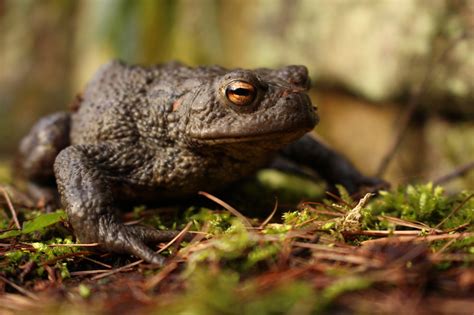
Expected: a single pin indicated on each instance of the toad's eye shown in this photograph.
(240, 93)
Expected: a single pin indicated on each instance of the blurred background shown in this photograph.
(367, 59)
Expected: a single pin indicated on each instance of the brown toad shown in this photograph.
(167, 131)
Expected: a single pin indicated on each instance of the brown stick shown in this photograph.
(454, 211)
(413, 103)
(228, 207)
(10, 207)
(457, 172)
(29, 294)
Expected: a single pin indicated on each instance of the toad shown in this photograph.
(168, 131)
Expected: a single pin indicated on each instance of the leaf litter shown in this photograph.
(410, 247)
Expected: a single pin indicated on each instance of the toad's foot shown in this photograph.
(330, 165)
(133, 239)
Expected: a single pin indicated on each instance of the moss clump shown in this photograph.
(40, 254)
(224, 292)
(237, 248)
(423, 203)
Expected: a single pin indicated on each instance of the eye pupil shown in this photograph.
(241, 92)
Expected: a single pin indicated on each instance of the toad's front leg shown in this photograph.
(86, 189)
(330, 165)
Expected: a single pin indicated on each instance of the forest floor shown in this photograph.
(409, 250)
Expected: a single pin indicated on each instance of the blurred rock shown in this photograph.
(377, 49)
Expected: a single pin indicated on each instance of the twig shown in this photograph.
(348, 258)
(429, 238)
(339, 199)
(73, 245)
(10, 207)
(411, 107)
(155, 280)
(268, 219)
(331, 207)
(454, 210)
(457, 172)
(228, 207)
(413, 224)
(88, 272)
(117, 270)
(452, 257)
(20, 289)
(97, 262)
(383, 233)
(445, 246)
(180, 234)
(324, 248)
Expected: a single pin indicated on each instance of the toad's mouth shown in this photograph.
(274, 131)
(286, 136)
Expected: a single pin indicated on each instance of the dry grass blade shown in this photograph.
(299, 225)
(97, 262)
(428, 238)
(10, 207)
(459, 227)
(445, 246)
(403, 222)
(336, 211)
(75, 245)
(117, 270)
(455, 210)
(228, 207)
(269, 218)
(88, 272)
(19, 289)
(339, 199)
(180, 234)
(349, 259)
(324, 248)
(155, 280)
(452, 257)
(382, 233)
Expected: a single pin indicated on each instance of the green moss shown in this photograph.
(215, 221)
(290, 187)
(298, 217)
(84, 291)
(342, 286)
(423, 203)
(39, 254)
(224, 292)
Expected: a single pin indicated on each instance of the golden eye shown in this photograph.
(240, 93)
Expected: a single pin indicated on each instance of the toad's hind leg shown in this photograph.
(37, 152)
